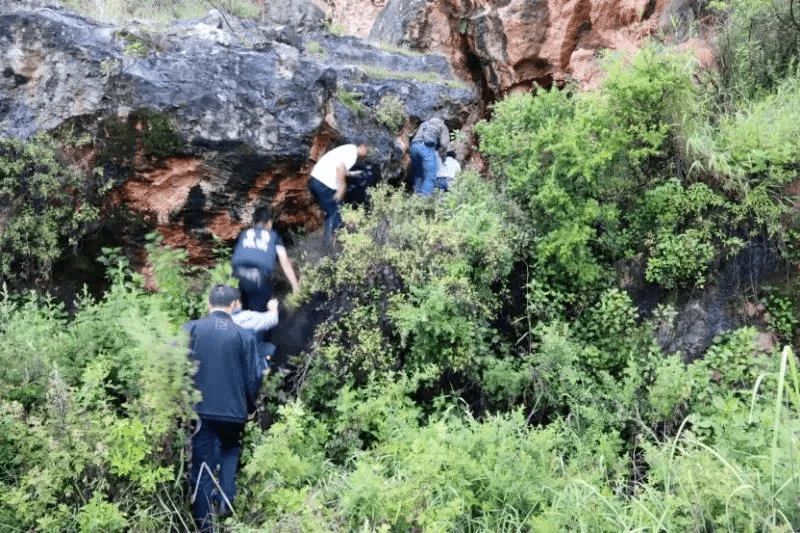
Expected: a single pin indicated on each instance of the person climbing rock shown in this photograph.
(328, 181)
(431, 141)
(253, 261)
(228, 378)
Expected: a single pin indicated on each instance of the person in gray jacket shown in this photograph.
(258, 323)
(431, 141)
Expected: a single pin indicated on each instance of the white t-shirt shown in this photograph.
(448, 169)
(325, 169)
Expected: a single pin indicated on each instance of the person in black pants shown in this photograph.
(228, 377)
(254, 257)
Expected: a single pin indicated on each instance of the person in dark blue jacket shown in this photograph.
(228, 377)
(254, 257)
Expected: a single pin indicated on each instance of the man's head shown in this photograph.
(362, 150)
(223, 297)
(263, 216)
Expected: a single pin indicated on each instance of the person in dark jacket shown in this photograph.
(254, 257)
(428, 145)
(228, 379)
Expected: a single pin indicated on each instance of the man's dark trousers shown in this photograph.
(215, 443)
(256, 290)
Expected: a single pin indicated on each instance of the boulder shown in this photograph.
(195, 126)
(300, 15)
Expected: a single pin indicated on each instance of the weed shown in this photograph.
(352, 101)
(391, 112)
(315, 48)
(383, 73)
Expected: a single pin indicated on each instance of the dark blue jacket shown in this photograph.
(256, 248)
(227, 376)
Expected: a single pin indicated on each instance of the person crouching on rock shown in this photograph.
(328, 181)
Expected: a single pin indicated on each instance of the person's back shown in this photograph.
(448, 170)
(327, 182)
(256, 247)
(325, 169)
(427, 146)
(226, 355)
(433, 133)
(228, 379)
(254, 256)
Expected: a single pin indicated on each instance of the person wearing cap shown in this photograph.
(228, 379)
(328, 181)
(254, 257)
(431, 141)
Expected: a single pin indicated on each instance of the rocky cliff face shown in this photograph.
(507, 45)
(197, 125)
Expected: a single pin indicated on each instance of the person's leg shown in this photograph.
(429, 169)
(327, 200)
(230, 446)
(259, 296)
(253, 288)
(417, 172)
(204, 460)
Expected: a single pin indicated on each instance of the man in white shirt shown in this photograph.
(328, 181)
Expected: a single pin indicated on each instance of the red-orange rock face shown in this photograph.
(510, 45)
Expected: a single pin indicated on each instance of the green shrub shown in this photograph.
(315, 48)
(574, 159)
(46, 208)
(680, 260)
(113, 381)
(352, 101)
(783, 317)
(758, 48)
(100, 515)
(390, 112)
(609, 328)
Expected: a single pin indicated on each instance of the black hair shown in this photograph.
(222, 295)
(263, 214)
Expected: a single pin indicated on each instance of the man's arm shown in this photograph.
(258, 321)
(286, 266)
(341, 182)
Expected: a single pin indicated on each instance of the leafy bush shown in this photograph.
(113, 380)
(416, 277)
(574, 159)
(46, 208)
(391, 112)
(757, 47)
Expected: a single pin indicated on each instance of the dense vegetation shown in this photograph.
(481, 368)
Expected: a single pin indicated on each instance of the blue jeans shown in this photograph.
(327, 200)
(216, 443)
(424, 167)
